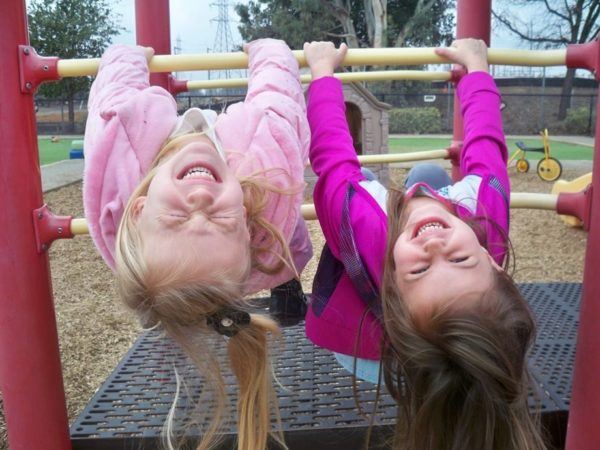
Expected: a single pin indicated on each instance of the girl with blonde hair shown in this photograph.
(413, 281)
(195, 212)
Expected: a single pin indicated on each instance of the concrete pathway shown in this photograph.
(61, 173)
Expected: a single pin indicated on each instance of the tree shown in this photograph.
(70, 29)
(361, 23)
(556, 23)
(395, 23)
(294, 21)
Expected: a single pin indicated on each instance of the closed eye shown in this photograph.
(458, 260)
(421, 270)
(171, 219)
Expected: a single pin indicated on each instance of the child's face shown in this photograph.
(193, 213)
(439, 259)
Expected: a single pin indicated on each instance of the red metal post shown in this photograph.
(583, 431)
(473, 20)
(153, 29)
(30, 371)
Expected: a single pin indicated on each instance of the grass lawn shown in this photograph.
(559, 150)
(55, 151)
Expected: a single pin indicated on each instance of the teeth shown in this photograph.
(198, 172)
(429, 227)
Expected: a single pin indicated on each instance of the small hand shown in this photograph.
(470, 53)
(323, 58)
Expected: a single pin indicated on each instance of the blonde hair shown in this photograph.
(459, 378)
(166, 296)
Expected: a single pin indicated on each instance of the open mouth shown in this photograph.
(198, 172)
(429, 225)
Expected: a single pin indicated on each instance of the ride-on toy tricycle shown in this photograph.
(548, 168)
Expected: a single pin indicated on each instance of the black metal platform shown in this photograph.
(316, 398)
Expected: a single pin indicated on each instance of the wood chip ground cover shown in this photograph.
(95, 331)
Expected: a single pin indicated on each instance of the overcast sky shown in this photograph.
(192, 21)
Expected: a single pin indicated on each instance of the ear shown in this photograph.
(138, 207)
(493, 262)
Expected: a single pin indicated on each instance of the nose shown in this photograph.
(434, 245)
(199, 199)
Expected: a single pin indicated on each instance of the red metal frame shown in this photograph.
(577, 204)
(35, 69)
(177, 86)
(585, 56)
(49, 227)
(473, 20)
(583, 431)
(153, 29)
(30, 370)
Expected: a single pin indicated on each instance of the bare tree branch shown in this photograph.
(336, 35)
(553, 11)
(508, 24)
(341, 11)
(590, 21)
(423, 6)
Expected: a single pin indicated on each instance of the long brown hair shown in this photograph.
(460, 378)
(167, 297)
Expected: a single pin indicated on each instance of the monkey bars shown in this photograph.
(518, 200)
(355, 57)
(344, 77)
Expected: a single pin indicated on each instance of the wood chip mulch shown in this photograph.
(95, 332)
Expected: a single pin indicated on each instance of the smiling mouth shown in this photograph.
(428, 226)
(198, 172)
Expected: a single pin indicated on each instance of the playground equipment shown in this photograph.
(76, 151)
(548, 168)
(576, 185)
(30, 371)
(518, 200)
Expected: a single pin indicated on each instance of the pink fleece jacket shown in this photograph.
(336, 324)
(129, 120)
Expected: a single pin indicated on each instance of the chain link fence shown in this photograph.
(523, 113)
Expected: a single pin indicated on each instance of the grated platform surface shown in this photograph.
(316, 397)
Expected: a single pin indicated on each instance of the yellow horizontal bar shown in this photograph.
(79, 226)
(308, 211)
(355, 57)
(344, 77)
(517, 200)
(402, 157)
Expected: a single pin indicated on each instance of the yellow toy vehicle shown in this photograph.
(548, 168)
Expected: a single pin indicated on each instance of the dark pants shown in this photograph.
(288, 303)
(432, 174)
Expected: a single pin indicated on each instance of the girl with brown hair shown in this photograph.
(414, 280)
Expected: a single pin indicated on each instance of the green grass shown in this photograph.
(559, 150)
(57, 151)
(54, 151)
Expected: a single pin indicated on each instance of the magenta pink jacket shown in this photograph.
(129, 120)
(336, 324)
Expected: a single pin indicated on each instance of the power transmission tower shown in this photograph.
(223, 39)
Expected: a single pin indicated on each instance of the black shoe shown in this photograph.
(288, 303)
